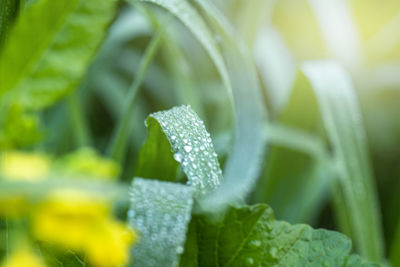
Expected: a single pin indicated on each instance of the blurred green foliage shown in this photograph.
(69, 68)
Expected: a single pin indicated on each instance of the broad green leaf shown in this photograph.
(160, 211)
(181, 131)
(244, 163)
(62, 36)
(193, 21)
(250, 236)
(355, 188)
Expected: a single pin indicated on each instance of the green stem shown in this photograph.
(7, 240)
(79, 125)
(117, 147)
(8, 12)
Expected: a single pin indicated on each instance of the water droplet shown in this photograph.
(255, 243)
(131, 213)
(273, 251)
(179, 250)
(187, 148)
(173, 137)
(249, 261)
(178, 157)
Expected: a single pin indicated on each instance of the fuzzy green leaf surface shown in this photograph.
(161, 212)
(250, 236)
(60, 48)
(356, 196)
(180, 130)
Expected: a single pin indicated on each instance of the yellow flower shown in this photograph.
(66, 216)
(23, 257)
(109, 245)
(81, 221)
(24, 166)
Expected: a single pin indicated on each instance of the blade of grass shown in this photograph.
(161, 212)
(79, 125)
(342, 119)
(191, 19)
(395, 248)
(277, 67)
(244, 164)
(339, 30)
(180, 131)
(290, 137)
(118, 143)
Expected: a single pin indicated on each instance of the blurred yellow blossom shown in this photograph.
(81, 221)
(24, 166)
(109, 245)
(23, 257)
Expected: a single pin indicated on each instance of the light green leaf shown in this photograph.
(250, 236)
(180, 130)
(62, 37)
(355, 188)
(160, 211)
(243, 166)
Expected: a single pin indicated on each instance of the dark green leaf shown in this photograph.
(250, 236)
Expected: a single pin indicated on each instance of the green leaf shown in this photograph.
(356, 196)
(244, 164)
(180, 130)
(62, 36)
(160, 211)
(250, 236)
